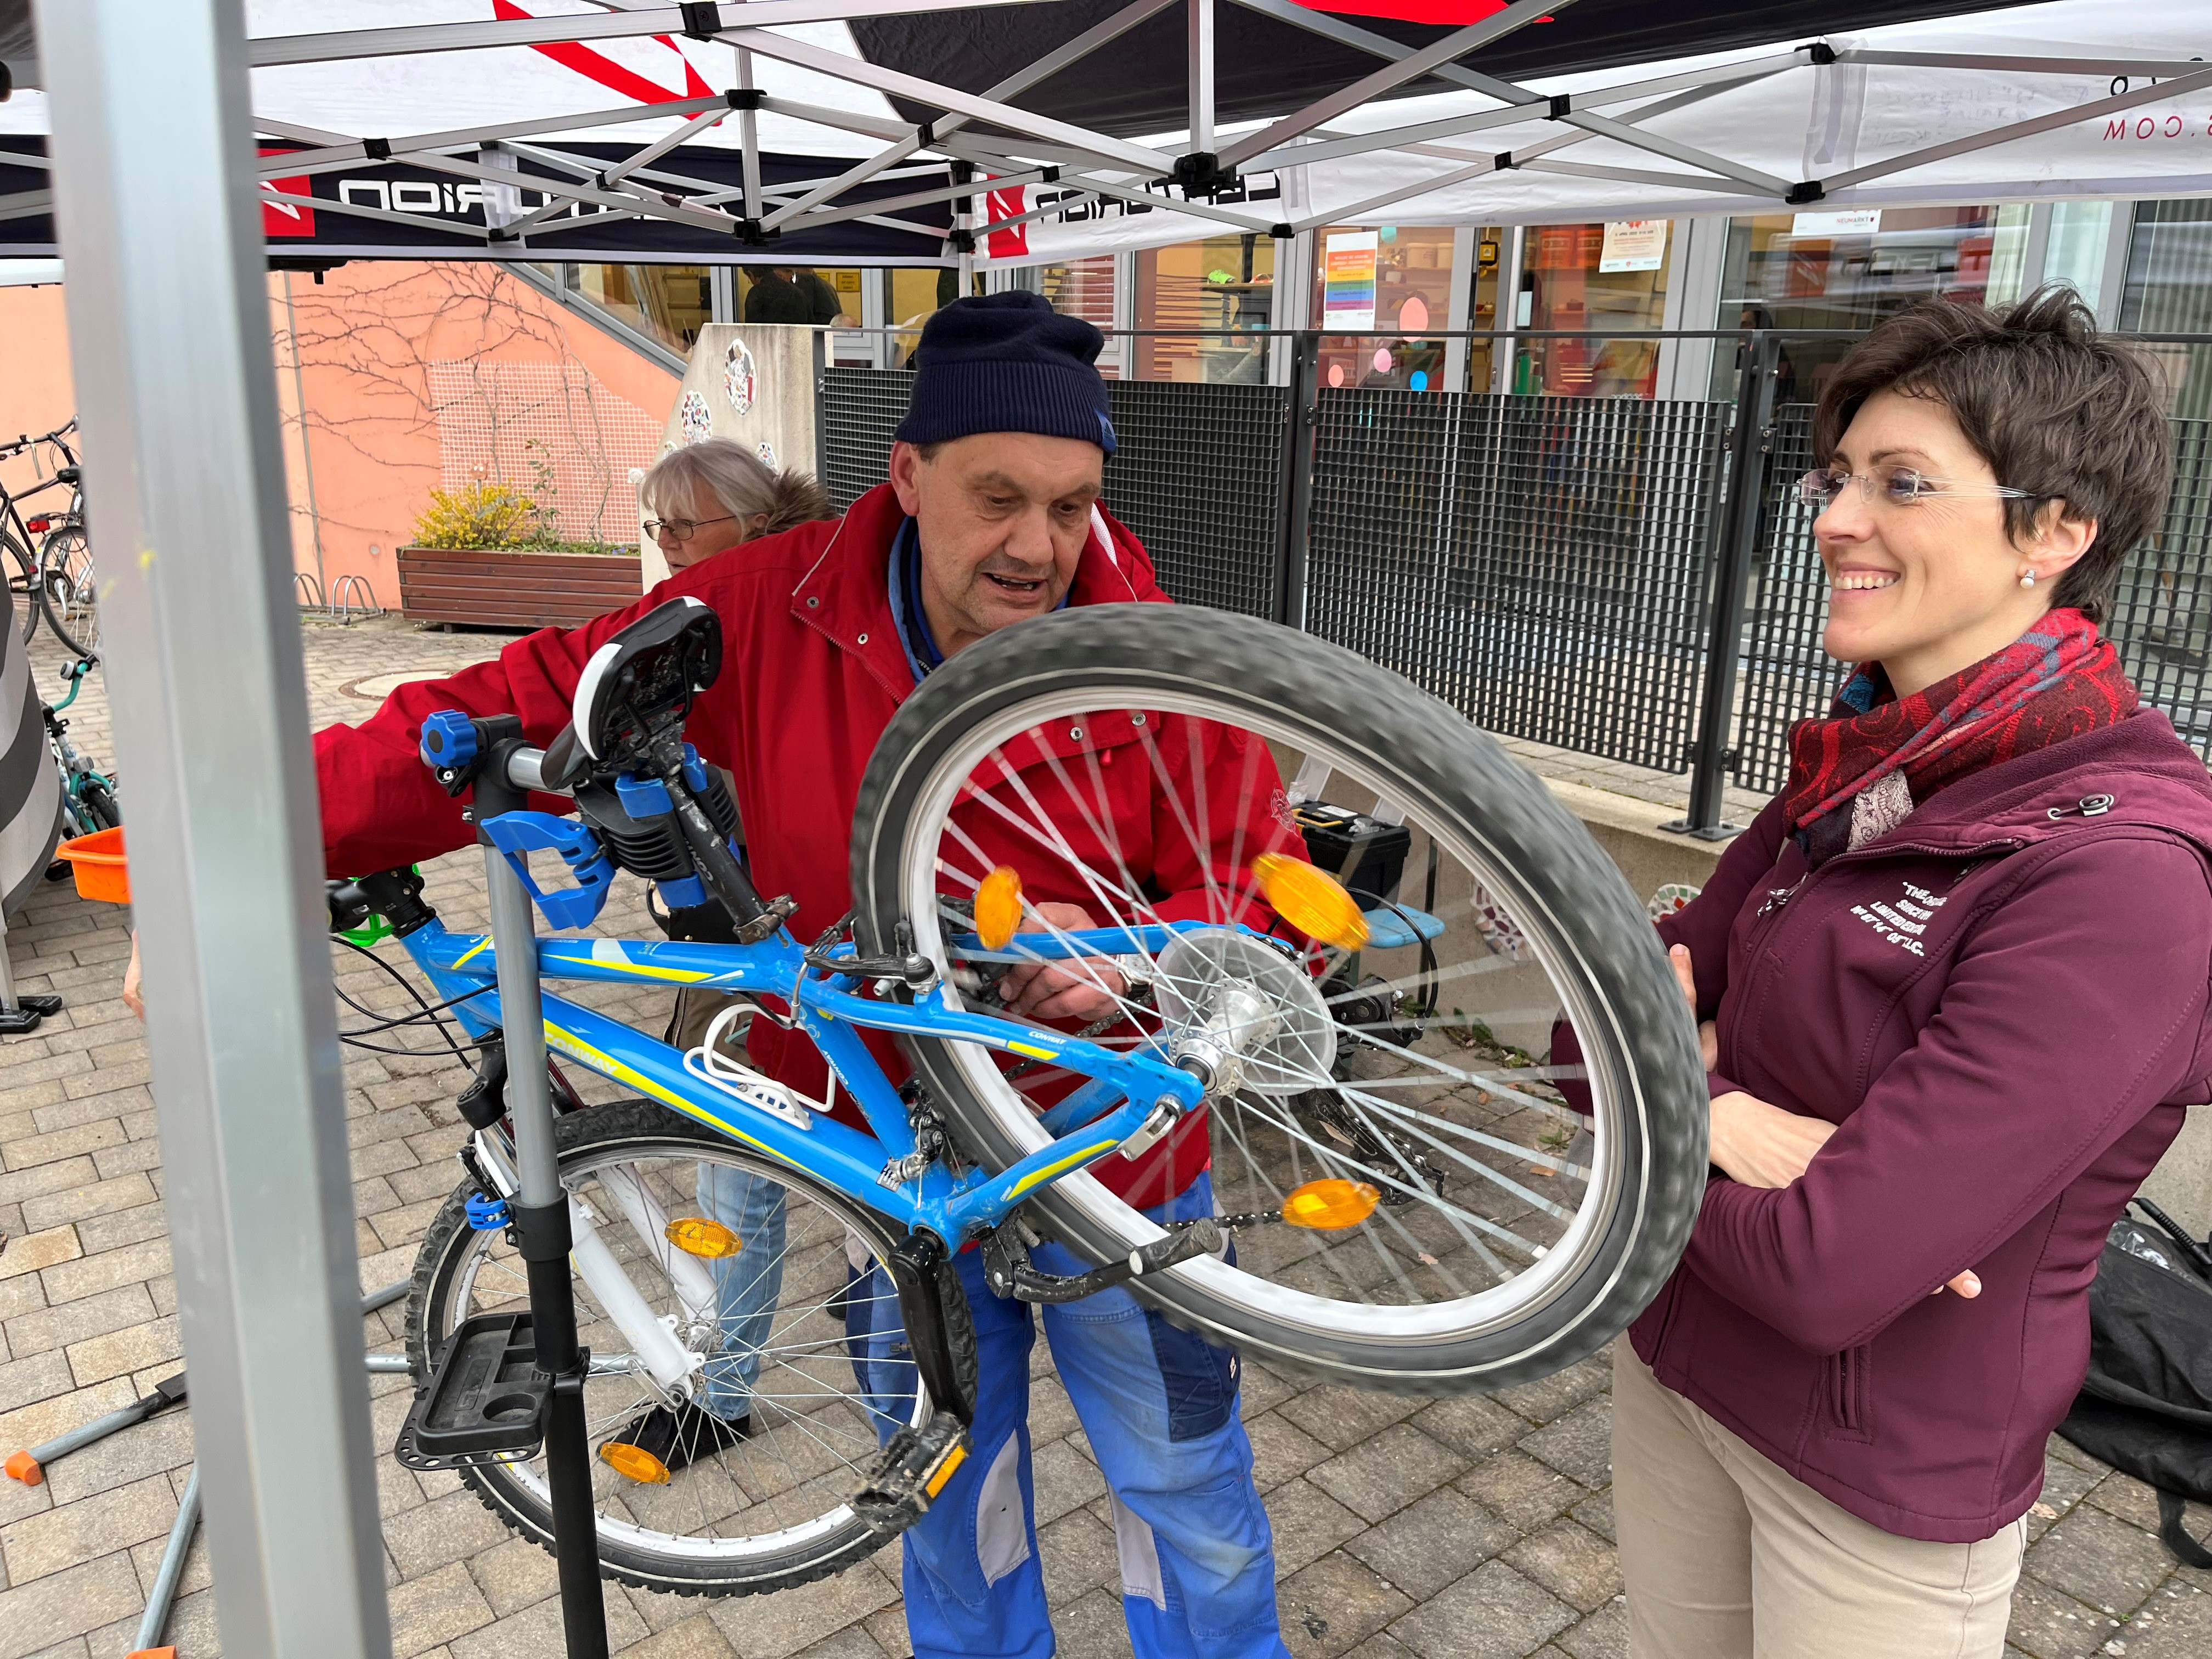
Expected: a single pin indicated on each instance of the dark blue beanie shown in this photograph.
(1007, 362)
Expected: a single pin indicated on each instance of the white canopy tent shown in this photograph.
(154, 113)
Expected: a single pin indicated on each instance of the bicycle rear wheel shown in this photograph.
(1072, 748)
(68, 590)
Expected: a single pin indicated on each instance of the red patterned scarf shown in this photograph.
(2054, 682)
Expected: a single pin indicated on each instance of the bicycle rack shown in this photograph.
(348, 589)
(310, 591)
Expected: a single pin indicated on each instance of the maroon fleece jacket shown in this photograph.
(2001, 1004)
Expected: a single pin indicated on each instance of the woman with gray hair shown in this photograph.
(713, 495)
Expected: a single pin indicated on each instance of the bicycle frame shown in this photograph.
(865, 1165)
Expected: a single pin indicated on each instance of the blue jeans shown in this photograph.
(1158, 1407)
(746, 1284)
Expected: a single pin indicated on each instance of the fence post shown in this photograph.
(1301, 421)
(1711, 758)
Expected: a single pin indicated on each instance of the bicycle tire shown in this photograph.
(65, 568)
(628, 1551)
(98, 802)
(23, 585)
(1639, 1045)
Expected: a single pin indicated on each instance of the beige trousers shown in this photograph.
(1727, 1557)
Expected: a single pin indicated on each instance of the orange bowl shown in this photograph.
(101, 871)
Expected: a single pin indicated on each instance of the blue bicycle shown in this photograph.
(1131, 887)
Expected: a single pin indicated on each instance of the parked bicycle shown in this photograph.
(89, 801)
(49, 555)
(1350, 1006)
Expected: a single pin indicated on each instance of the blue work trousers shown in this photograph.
(1158, 1407)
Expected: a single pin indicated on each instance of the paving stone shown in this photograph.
(1443, 1537)
(39, 1376)
(40, 1422)
(96, 1525)
(1596, 1514)
(1064, 1479)
(1078, 1554)
(50, 1610)
(2065, 1485)
(121, 1352)
(427, 1613)
(1474, 1425)
(1307, 1524)
(2100, 1559)
(1525, 1493)
(1492, 1613)
(1552, 1397)
(1578, 1444)
(159, 1444)
(427, 1537)
(775, 1626)
(1382, 1475)
(1603, 1635)
(1280, 1449)
(853, 1642)
(1571, 1562)
(2133, 1502)
(1331, 1607)
(538, 1630)
(2050, 1624)
(71, 1281)
(2179, 1628)
(513, 1575)
(35, 1251)
(1340, 1418)
(1381, 1646)
(94, 1198)
(21, 1186)
(108, 1232)
(1093, 1627)
(25, 1151)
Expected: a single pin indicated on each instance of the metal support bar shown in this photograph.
(154, 151)
(1201, 75)
(1710, 761)
(1300, 423)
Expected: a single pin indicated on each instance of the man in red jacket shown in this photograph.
(991, 517)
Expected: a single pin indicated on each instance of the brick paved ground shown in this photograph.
(1455, 1529)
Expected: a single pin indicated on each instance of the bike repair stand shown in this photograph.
(19, 1015)
(540, 1215)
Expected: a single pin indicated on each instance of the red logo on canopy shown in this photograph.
(614, 76)
(1013, 241)
(286, 218)
(1449, 12)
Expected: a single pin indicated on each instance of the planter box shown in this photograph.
(500, 589)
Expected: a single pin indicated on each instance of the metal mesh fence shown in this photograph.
(1195, 474)
(1786, 677)
(2161, 617)
(1540, 563)
(860, 408)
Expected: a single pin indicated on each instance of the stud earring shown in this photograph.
(2027, 578)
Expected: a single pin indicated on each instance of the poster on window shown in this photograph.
(1633, 245)
(1347, 288)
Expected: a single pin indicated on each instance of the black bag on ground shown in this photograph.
(2146, 1406)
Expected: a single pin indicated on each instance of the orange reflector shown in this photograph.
(633, 1463)
(22, 1467)
(946, 1468)
(1312, 901)
(152, 1653)
(1329, 1205)
(695, 1235)
(997, 908)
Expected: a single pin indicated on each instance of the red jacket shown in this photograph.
(2001, 1004)
(812, 672)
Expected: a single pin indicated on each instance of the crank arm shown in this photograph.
(1006, 1264)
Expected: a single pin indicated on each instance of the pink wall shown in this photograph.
(415, 375)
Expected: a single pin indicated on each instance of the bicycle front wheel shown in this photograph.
(68, 591)
(1133, 764)
(769, 1329)
(22, 571)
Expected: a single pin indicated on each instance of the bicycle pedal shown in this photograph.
(910, 1472)
(485, 1400)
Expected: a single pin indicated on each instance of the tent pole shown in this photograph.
(307, 456)
(749, 135)
(1201, 77)
(153, 148)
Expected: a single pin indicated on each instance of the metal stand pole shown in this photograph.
(542, 1231)
(152, 164)
(164, 1594)
(1712, 759)
(1302, 426)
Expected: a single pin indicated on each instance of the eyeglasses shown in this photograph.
(682, 530)
(1899, 486)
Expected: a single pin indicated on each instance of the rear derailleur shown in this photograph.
(1325, 1112)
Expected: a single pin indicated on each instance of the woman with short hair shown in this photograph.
(1955, 982)
(716, 494)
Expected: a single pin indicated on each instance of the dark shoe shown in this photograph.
(679, 1439)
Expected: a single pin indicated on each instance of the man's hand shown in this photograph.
(130, 997)
(1079, 988)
